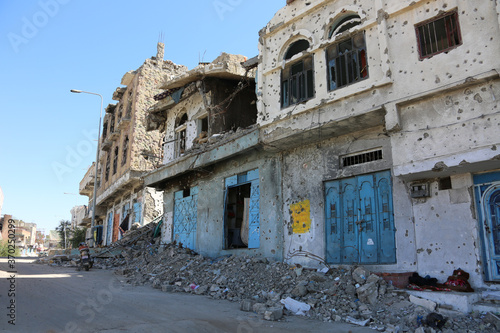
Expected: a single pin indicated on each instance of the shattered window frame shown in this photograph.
(108, 163)
(347, 61)
(115, 160)
(125, 150)
(297, 78)
(180, 135)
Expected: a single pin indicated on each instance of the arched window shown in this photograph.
(297, 78)
(344, 24)
(347, 59)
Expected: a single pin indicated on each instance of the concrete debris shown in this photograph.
(275, 290)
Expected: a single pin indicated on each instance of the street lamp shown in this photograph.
(92, 223)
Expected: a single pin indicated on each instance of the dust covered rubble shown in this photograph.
(275, 289)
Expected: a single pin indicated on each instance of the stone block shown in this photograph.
(368, 293)
(246, 305)
(423, 302)
(167, 288)
(259, 308)
(274, 313)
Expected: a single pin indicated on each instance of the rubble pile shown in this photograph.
(273, 289)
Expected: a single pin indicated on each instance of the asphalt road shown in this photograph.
(58, 299)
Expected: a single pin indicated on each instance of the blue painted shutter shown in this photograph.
(185, 217)
(387, 246)
(349, 219)
(333, 227)
(367, 224)
(254, 212)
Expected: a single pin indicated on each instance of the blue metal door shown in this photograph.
(487, 196)
(185, 217)
(359, 220)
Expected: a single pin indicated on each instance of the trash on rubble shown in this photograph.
(323, 270)
(296, 307)
(354, 321)
(435, 320)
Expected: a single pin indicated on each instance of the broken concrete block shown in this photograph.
(299, 291)
(247, 305)
(423, 302)
(259, 308)
(354, 321)
(274, 313)
(368, 293)
(167, 288)
(493, 319)
(360, 275)
(201, 290)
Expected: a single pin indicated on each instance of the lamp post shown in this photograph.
(92, 223)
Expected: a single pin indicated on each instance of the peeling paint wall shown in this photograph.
(446, 231)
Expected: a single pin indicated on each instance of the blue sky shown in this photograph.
(48, 47)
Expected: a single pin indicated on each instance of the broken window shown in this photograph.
(241, 211)
(112, 124)
(438, 35)
(297, 79)
(115, 160)
(120, 109)
(104, 130)
(106, 173)
(125, 150)
(180, 135)
(347, 62)
(343, 24)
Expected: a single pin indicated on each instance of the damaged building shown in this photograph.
(216, 179)
(127, 152)
(385, 117)
(370, 139)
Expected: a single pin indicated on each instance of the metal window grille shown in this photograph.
(438, 35)
(362, 158)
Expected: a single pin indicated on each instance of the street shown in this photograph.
(42, 298)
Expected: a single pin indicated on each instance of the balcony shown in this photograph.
(124, 122)
(114, 134)
(87, 183)
(106, 144)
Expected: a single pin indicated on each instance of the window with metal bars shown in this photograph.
(370, 156)
(438, 35)
(347, 62)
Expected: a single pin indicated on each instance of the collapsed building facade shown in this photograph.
(213, 165)
(127, 152)
(373, 141)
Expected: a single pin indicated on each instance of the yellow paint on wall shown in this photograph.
(301, 217)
